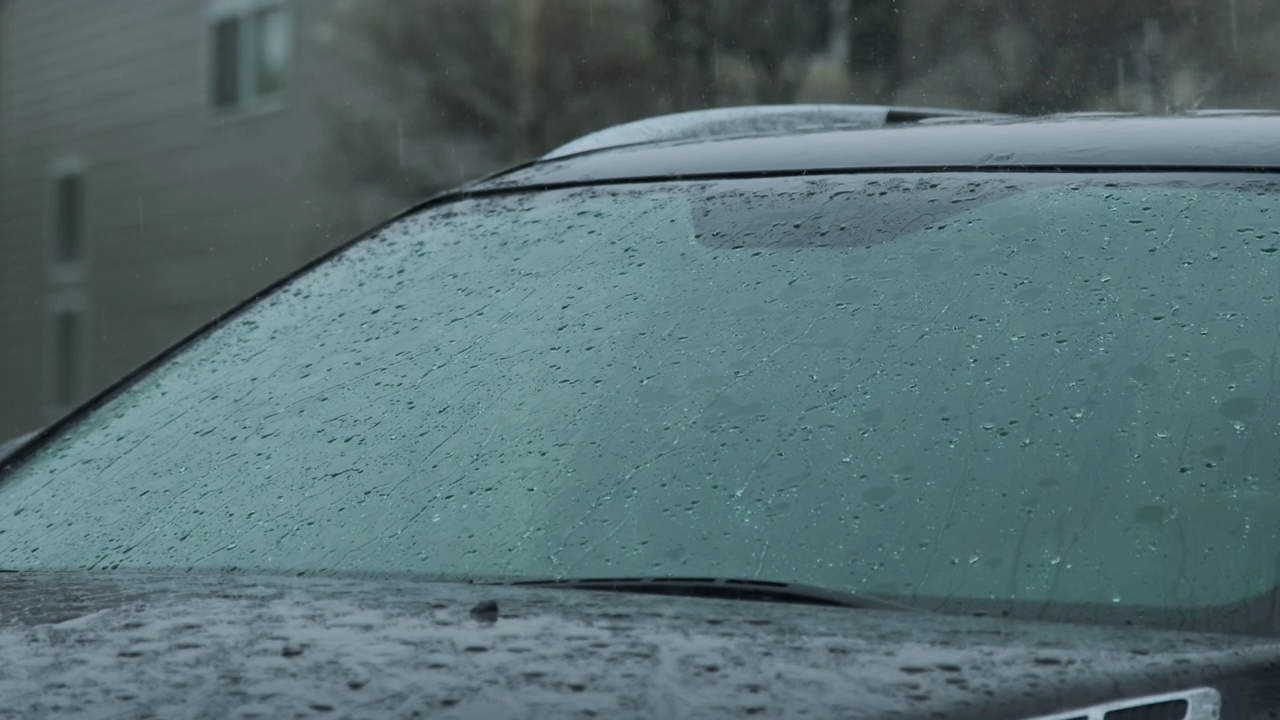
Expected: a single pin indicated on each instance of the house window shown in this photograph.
(226, 63)
(66, 363)
(250, 47)
(65, 345)
(68, 215)
(269, 33)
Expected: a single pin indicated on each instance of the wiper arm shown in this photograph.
(720, 588)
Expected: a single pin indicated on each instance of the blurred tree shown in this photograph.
(776, 39)
(1081, 49)
(461, 87)
(466, 86)
(875, 44)
(1038, 56)
(768, 44)
(684, 33)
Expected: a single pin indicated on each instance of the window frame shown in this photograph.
(248, 101)
(73, 270)
(61, 303)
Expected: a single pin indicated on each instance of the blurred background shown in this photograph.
(161, 160)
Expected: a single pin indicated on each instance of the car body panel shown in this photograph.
(112, 644)
(1242, 141)
(753, 120)
(91, 645)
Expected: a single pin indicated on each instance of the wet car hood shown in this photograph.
(109, 645)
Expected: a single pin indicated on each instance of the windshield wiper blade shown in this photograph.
(719, 588)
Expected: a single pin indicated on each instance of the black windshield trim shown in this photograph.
(718, 588)
(498, 186)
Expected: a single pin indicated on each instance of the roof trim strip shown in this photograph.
(750, 120)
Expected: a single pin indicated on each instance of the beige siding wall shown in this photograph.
(187, 211)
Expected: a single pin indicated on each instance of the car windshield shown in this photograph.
(1039, 395)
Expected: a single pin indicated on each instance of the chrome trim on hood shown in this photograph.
(1202, 704)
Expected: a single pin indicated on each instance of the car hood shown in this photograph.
(106, 645)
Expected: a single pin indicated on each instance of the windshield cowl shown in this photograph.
(720, 588)
(285, 638)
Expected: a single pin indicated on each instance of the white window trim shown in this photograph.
(247, 105)
(60, 301)
(65, 273)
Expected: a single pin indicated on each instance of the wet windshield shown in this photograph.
(1022, 392)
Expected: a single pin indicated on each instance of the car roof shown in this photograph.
(1237, 140)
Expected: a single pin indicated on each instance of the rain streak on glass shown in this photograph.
(1038, 389)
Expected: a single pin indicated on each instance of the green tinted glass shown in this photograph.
(983, 388)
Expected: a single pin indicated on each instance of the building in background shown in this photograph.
(159, 161)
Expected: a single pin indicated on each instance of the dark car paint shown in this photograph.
(98, 645)
(105, 644)
(1098, 142)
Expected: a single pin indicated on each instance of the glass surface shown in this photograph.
(226, 63)
(1038, 390)
(69, 190)
(271, 50)
(68, 352)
